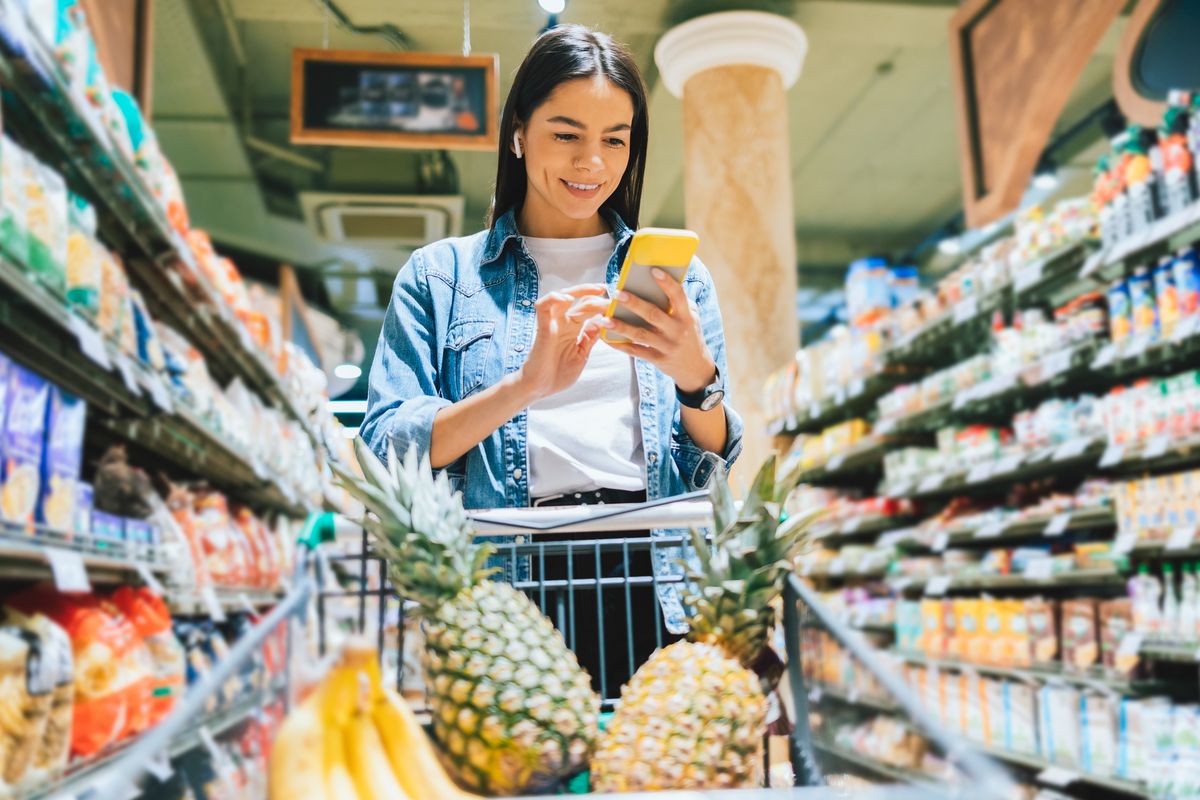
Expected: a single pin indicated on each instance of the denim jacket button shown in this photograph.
(653, 457)
(518, 347)
(646, 392)
(526, 302)
(517, 473)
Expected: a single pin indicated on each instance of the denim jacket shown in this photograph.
(462, 316)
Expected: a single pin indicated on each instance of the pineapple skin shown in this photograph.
(513, 712)
(691, 718)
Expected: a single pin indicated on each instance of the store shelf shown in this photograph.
(1091, 680)
(38, 104)
(79, 774)
(1177, 652)
(1009, 469)
(1049, 277)
(863, 457)
(25, 555)
(860, 528)
(993, 532)
(946, 339)
(1163, 236)
(865, 764)
(1093, 579)
(855, 399)
(1065, 777)
(820, 691)
(191, 602)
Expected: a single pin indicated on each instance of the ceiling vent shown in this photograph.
(383, 220)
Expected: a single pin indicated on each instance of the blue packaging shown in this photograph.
(108, 527)
(62, 460)
(1143, 305)
(1186, 267)
(24, 439)
(84, 506)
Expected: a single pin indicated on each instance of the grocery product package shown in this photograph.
(14, 232)
(48, 227)
(114, 294)
(152, 620)
(50, 648)
(83, 277)
(62, 460)
(20, 475)
(112, 672)
(23, 708)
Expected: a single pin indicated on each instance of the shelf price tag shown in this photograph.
(980, 472)
(857, 387)
(839, 396)
(835, 462)
(1113, 455)
(837, 566)
(1124, 542)
(1008, 464)
(70, 574)
(1029, 275)
(209, 596)
(1057, 363)
(1039, 569)
(148, 578)
(965, 310)
(160, 767)
(940, 541)
(159, 394)
(1181, 538)
(1058, 523)
(899, 489)
(1057, 776)
(1106, 356)
(1072, 449)
(91, 344)
(851, 525)
(937, 585)
(1131, 645)
(1156, 447)
(989, 531)
(885, 427)
(814, 409)
(1093, 263)
(931, 482)
(128, 376)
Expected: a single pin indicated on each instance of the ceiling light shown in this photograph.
(347, 372)
(950, 246)
(553, 6)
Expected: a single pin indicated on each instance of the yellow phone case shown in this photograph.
(669, 249)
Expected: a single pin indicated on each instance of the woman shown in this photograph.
(491, 361)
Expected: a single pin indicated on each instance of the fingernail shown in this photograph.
(623, 296)
(605, 322)
(658, 273)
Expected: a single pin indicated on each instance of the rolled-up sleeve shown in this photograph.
(403, 395)
(695, 464)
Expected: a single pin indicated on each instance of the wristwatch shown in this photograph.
(707, 398)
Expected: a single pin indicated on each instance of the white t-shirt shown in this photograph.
(590, 435)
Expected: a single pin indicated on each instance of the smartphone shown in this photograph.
(668, 249)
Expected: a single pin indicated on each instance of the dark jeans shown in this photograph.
(613, 637)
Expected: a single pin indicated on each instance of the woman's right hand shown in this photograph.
(567, 329)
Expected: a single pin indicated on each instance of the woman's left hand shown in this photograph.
(674, 341)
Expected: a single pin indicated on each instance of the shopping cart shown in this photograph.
(600, 589)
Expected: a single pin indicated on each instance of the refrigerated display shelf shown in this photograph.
(863, 457)
(1094, 579)
(75, 782)
(1065, 777)
(860, 527)
(863, 763)
(1091, 680)
(70, 138)
(855, 399)
(992, 532)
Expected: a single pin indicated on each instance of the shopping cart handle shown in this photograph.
(318, 528)
(693, 510)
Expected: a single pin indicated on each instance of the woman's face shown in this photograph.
(576, 148)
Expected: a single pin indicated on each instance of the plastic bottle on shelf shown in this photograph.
(1185, 629)
(1170, 604)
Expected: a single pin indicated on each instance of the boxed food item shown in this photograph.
(995, 714)
(1060, 728)
(1099, 717)
(1185, 780)
(66, 419)
(1042, 618)
(1116, 620)
(83, 258)
(107, 527)
(1081, 646)
(1022, 730)
(23, 440)
(1140, 719)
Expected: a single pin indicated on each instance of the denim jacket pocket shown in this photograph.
(467, 354)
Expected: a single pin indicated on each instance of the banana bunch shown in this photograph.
(354, 739)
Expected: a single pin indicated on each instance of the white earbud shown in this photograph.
(517, 145)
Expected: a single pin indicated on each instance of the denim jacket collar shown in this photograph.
(505, 228)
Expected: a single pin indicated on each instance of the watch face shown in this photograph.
(713, 400)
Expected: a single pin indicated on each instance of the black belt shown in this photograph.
(596, 497)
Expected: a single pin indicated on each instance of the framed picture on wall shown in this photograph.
(416, 100)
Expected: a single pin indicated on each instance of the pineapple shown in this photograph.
(694, 715)
(513, 712)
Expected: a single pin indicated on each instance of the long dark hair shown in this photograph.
(562, 54)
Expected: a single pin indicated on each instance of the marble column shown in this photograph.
(732, 71)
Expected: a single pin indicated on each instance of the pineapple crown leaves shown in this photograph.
(418, 524)
(741, 571)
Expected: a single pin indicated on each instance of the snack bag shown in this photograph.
(83, 258)
(62, 461)
(21, 473)
(24, 706)
(14, 236)
(51, 648)
(152, 619)
(48, 227)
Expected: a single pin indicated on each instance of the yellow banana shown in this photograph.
(369, 762)
(340, 691)
(295, 771)
(411, 752)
